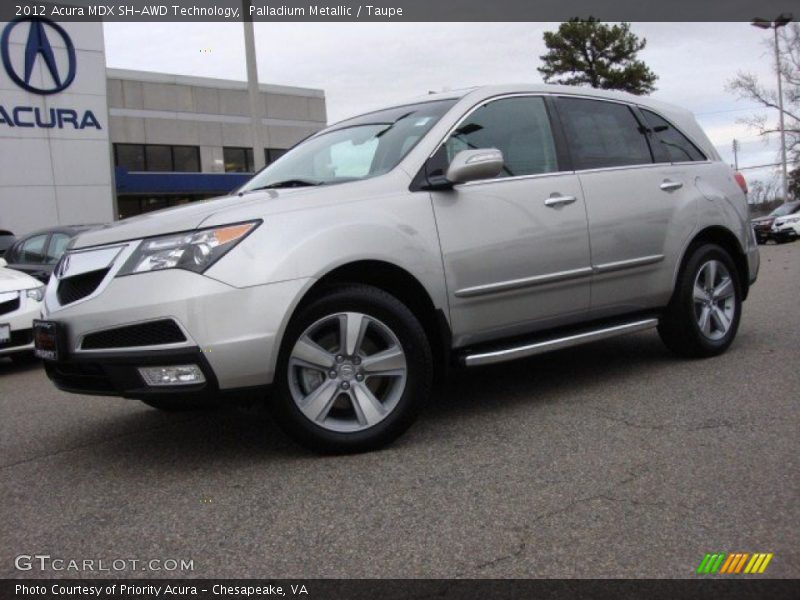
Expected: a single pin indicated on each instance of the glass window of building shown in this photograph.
(186, 159)
(130, 156)
(238, 160)
(158, 158)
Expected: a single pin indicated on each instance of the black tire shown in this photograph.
(678, 326)
(178, 404)
(376, 304)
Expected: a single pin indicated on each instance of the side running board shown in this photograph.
(547, 345)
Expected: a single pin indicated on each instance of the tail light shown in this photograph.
(741, 181)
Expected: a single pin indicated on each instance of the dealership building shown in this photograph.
(82, 143)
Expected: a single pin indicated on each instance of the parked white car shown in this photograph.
(20, 303)
(786, 228)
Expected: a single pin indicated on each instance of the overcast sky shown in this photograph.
(367, 65)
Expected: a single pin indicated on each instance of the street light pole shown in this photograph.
(253, 92)
(781, 21)
(780, 109)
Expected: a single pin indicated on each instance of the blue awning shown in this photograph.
(152, 182)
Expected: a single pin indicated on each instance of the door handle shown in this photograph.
(668, 185)
(556, 201)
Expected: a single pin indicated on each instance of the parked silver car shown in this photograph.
(465, 228)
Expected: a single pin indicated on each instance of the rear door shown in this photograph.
(640, 206)
(515, 247)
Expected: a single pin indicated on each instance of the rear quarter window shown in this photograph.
(669, 143)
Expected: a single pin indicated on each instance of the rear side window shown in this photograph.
(519, 127)
(602, 134)
(32, 250)
(670, 144)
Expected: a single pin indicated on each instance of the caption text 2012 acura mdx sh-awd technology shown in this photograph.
(467, 227)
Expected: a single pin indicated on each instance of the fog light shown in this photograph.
(172, 375)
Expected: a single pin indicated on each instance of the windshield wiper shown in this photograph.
(287, 183)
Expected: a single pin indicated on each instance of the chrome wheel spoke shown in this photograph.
(308, 352)
(720, 319)
(699, 294)
(352, 327)
(317, 404)
(724, 289)
(704, 321)
(368, 408)
(389, 362)
(711, 274)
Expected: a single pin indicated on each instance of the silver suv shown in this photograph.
(464, 228)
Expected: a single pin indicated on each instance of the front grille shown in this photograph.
(9, 306)
(74, 288)
(21, 337)
(152, 333)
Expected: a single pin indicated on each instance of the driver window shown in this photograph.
(518, 127)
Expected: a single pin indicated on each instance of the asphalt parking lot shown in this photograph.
(611, 460)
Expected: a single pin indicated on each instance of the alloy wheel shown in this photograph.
(347, 372)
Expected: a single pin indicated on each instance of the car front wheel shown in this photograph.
(354, 370)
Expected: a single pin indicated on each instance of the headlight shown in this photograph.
(36, 294)
(792, 220)
(194, 251)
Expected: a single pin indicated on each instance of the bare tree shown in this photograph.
(747, 86)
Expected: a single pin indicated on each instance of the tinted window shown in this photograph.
(238, 160)
(58, 243)
(158, 158)
(602, 134)
(130, 156)
(31, 250)
(518, 127)
(186, 159)
(672, 144)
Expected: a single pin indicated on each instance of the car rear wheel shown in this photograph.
(702, 317)
(354, 370)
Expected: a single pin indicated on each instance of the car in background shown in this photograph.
(786, 228)
(20, 303)
(762, 226)
(6, 240)
(37, 253)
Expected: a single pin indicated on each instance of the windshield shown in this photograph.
(358, 148)
(785, 209)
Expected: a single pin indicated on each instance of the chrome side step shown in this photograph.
(575, 339)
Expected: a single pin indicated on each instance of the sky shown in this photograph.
(362, 66)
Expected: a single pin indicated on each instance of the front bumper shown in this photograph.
(233, 334)
(107, 374)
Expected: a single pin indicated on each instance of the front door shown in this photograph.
(516, 247)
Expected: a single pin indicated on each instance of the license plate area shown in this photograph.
(5, 333)
(46, 339)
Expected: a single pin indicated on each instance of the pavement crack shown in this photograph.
(98, 442)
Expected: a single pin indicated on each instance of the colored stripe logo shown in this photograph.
(734, 563)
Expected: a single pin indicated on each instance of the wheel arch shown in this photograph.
(725, 238)
(401, 284)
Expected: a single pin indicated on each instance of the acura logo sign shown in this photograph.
(41, 35)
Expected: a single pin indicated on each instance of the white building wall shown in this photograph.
(59, 175)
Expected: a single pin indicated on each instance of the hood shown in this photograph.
(162, 222)
(235, 209)
(762, 220)
(12, 281)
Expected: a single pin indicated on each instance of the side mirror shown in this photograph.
(470, 165)
(3, 262)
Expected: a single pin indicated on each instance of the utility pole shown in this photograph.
(253, 92)
(781, 21)
(735, 154)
